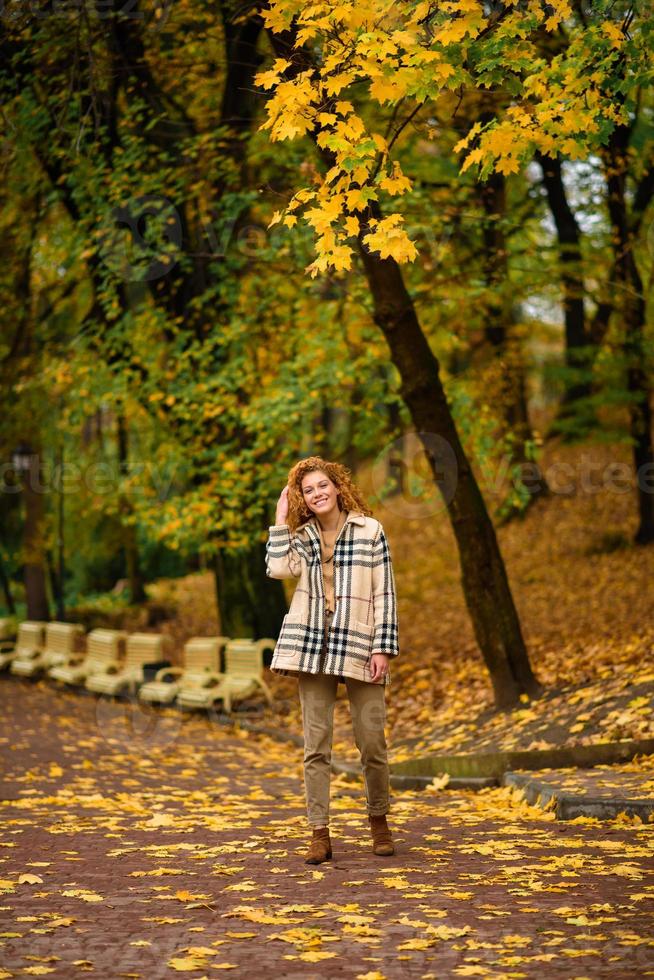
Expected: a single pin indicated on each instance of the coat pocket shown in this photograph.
(289, 632)
(365, 635)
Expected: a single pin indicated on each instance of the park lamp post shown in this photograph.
(22, 458)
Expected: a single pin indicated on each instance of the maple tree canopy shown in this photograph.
(563, 103)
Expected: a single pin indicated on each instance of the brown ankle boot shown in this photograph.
(320, 848)
(382, 841)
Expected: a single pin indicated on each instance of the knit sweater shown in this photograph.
(327, 541)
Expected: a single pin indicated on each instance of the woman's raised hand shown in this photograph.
(282, 507)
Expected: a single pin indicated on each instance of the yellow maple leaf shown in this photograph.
(267, 79)
(508, 165)
(561, 10)
(439, 782)
(388, 88)
(391, 242)
(360, 174)
(156, 872)
(335, 83)
(184, 963)
(161, 820)
(84, 894)
(398, 183)
(355, 200)
(321, 218)
(290, 126)
(259, 915)
(417, 944)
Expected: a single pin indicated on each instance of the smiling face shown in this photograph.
(320, 494)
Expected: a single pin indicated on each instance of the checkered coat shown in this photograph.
(365, 617)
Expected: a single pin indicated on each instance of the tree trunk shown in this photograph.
(6, 589)
(127, 529)
(505, 346)
(632, 307)
(640, 411)
(34, 558)
(577, 385)
(485, 585)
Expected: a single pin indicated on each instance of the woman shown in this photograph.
(341, 627)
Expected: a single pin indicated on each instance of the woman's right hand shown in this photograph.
(282, 507)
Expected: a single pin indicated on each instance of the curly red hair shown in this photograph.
(351, 497)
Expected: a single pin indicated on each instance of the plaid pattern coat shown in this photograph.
(365, 617)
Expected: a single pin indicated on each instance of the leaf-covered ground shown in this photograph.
(138, 844)
(585, 596)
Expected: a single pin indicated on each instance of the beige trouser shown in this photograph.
(368, 712)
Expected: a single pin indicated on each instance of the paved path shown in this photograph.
(156, 845)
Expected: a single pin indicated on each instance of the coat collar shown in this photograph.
(353, 517)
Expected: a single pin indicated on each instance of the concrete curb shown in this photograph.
(353, 771)
(567, 806)
(486, 764)
(418, 782)
(479, 769)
